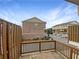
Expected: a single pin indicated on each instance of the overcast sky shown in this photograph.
(52, 11)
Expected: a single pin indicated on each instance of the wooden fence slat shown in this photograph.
(73, 33)
(11, 38)
(5, 51)
(1, 47)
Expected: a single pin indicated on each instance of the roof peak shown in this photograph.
(33, 19)
(66, 23)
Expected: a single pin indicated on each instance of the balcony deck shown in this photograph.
(40, 49)
(42, 55)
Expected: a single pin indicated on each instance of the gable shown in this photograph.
(34, 19)
(67, 23)
(74, 22)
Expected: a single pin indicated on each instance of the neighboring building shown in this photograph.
(33, 28)
(63, 28)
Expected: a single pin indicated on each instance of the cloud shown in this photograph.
(61, 15)
(10, 16)
(69, 13)
(52, 17)
(54, 14)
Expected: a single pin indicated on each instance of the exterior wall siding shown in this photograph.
(33, 29)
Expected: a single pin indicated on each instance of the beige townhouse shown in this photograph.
(63, 28)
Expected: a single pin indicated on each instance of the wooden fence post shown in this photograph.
(55, 46)
(71, 53)
(39, 46)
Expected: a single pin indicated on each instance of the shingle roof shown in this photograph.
(74, 22)
(34, 19)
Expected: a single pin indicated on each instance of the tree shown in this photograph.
(49, 31)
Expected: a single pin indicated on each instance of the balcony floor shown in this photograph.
(42, 55)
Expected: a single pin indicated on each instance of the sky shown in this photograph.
(51, 11)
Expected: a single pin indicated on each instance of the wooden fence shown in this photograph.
(73, 33)
(11, 45)
(10, 38)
